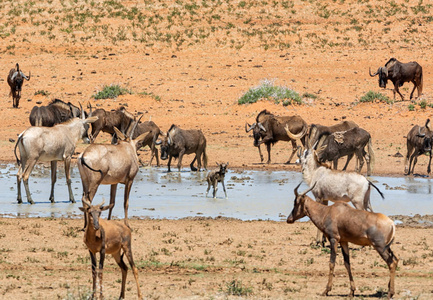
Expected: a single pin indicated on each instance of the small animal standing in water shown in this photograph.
(216, 176)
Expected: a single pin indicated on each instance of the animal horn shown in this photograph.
(296, 189)
(295, 136)
(14, 75)
(250, 127)
(135, 126)
(86, 202)
(372, 75)
(427, 125)
(28, 78)
(82, 111)
(261, 126)
(419, 132)
(311, 188)
(102, 203)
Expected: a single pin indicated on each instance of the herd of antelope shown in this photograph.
(57, 128)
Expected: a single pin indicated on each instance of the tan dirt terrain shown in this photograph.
(187, 63)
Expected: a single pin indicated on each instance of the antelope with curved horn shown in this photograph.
(110, 164)
(15, 80)
(51, 144)
(107, 237)
(342, 224)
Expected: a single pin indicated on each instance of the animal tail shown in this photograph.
(85, 164)
(371, 154)
(371, 183)
(20, 138)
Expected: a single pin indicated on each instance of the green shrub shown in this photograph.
(41, 92)
(267, 90)
(423, 104)
(411, 107)
(236, 288)
(309, 95)
(371, 96)
(111, 92)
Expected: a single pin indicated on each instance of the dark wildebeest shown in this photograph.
(178, 142)
(320, 131)
(216, 176)
(15, 80)
(107, 120)
(269, 129)
(419, 141)
(350, 142)
(56, 112)
(153, 133)
(400, 73)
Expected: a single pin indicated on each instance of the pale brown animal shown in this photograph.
(342, 224)
(269, 129)
(107, 237)
(110, 164)
(215, 176)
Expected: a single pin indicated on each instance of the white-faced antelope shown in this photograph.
(342, 224)
(110, 164)
(51, 144)
(107, 237)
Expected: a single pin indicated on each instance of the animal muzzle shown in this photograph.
(290, 219)
(256, 143)
(86, 140)
(382, 83)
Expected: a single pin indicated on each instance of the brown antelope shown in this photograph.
(49, 144)
(342, 224)
(107, 237)
(110, 164)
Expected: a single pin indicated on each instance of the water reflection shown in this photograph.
(155, 193)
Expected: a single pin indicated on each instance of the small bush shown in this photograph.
(235, 288)
(411, 107)
(423, 104)
(111, 92)
(41, 92)
(267, 90)
(371, 96)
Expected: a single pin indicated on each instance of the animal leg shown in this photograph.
(349, 158)
(26, 176)
(413, 90)
(19, 179)
(415, 160)
(320, 237)
(53, 179)
(260, 153)
(128, 253)
(406, 160)
(429, 162)
(331, 266)
(361, 162)
(268, 147)
(215, 188)
(191, 164)
(101, 267)
(397, 84)
(392, 262)
(208, 186)
(335, 162)
(224, 187)
(113, 190)
(169, 162)
(94, 272)
(294, 149)
(119, 260)
(128, 186)
(345, 251)
(68, 178)
(199, 161)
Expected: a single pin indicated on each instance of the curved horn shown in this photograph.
(295, 136)
(86, 202)
(250, 127)
(372, 75)
(28, 78)
(296, 189)
(427, 125)
(102, 203)
(311, 188)
(419, 133)
(261, 126)
(14, 75)
(384, 70)
(135, 126)
(82, 111)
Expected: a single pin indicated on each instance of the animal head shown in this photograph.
(18, 78)
(86, 122)
(298, 210)
(223, 167)
(426, 134)
(166, 141)
(94, 212)
(383, 76)
(258, 131)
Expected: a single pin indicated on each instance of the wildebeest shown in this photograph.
(110, 164)
(15, 80)
(51, 144)
(342, 224)
(400, 73)
(318, 131)
(216, 176)
(350, 142)
(152, 136)
(107, 120)
(269, 129)
(56, 112)
(178, 142)
(419, 141)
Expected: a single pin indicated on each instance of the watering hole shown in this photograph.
(252, 195)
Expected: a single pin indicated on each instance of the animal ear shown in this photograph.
(109, 206)
(82, 209)
(119, 134)
(227, 164)
(217, 164)
(141, 137)
(91, 119)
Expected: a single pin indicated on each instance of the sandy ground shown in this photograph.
(188, 64)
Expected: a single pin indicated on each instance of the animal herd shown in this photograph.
(57, 128)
